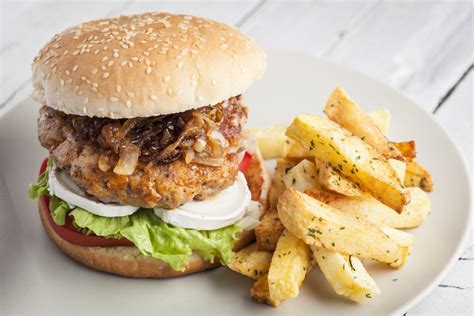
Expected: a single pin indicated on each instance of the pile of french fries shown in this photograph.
(340, 194)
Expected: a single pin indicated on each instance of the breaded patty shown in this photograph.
(77, 146)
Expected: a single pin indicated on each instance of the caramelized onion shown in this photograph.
(210, 132)
(188, 155)
(199, 145)
(104, 163)
(128, 160)
(127, 127)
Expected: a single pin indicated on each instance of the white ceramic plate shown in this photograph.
(35, 277)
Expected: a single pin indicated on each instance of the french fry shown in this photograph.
(399, 167)
(277, 186)
(290, 263)
(355, 159)
(417, 176)
(268, 231)
(251, 262)
(381, 118)
(295, 151)
(367, 208)
(332, 180)
(270, 140)
(322, 225)
(341, 109)
(260, 293)
(302, 176)
(346, 274)
(408, 149)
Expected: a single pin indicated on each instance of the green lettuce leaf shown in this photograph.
(40, 188)
(58, 209)
(108, 227)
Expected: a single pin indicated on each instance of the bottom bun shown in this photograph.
(128, 261)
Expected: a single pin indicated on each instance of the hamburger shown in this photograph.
(149, 172)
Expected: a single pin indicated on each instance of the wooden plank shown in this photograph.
(419, 47)
(309, 27)
(229, 12)
(456, 116)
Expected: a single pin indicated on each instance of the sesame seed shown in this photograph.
(104, 58)
(105, 75)
(170, 92)
(94, 71)
(86, 100)
(213, 82)
(166, 79)
(118, 88)
(180, 64)
(67, 72)
(113, 99)
(84, 109)
(61, 83)
(75, 67)
(153, 97)
(130, 94)
(129, 103)
(148, 70)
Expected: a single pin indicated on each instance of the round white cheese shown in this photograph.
(223, 209)
(61, 185)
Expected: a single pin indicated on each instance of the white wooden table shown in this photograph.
(424, 49)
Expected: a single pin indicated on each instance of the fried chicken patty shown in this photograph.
(181, 157)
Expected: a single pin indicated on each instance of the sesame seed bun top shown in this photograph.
(144, 65)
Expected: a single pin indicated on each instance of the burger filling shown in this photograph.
(163, 161)
(152, 166)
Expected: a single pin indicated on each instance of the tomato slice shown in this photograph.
(244, 164)
(69, 233)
